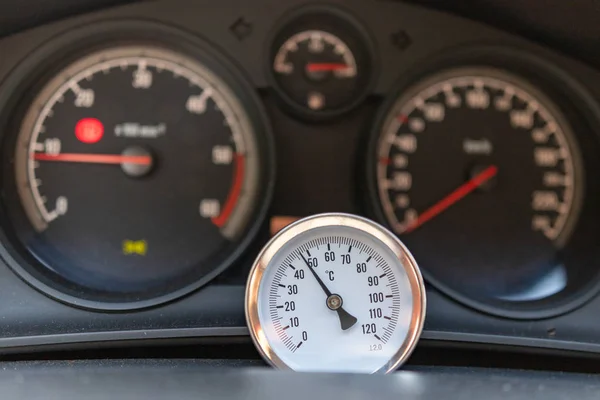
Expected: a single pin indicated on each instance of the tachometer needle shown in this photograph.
(318, 67)
(453, 197)
(94, 158)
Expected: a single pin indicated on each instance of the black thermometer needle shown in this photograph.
(334, 301)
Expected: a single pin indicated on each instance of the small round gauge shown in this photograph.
(480, 174)
(140, 172)
(321, 72)
(335, 293)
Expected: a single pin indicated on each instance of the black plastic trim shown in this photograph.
(35, 343)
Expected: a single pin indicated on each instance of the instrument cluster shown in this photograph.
(141, 160)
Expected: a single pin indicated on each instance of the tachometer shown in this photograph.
(140, 170)
(480, 173)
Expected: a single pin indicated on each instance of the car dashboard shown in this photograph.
(151, 149)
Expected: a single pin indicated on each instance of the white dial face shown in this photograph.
(335, 299)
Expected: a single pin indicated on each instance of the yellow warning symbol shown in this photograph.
(139, 247)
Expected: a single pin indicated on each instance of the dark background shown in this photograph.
(570, 26)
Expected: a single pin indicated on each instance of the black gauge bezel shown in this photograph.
(577, 104)
(32, 73)
(295, 22)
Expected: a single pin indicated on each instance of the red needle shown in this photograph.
(94, 158)
(453, 197)
(318, 67)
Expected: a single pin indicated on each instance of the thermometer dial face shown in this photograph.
(335, 293)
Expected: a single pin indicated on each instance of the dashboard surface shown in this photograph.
(313, 162)
(157, 379)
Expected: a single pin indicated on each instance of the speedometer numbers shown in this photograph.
(477, 162)
(463, 99)
(335, 292)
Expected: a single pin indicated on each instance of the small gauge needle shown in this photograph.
(347, 321)
(94, 158)
(453, 197)
(318, 67)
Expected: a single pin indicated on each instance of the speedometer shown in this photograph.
(480, 173)
(140, 172)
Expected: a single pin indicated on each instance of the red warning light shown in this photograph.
(89, 130)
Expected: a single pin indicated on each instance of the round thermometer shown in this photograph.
(335, 293)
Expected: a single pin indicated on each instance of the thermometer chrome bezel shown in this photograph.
(342, 220)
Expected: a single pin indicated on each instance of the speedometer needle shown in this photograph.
(453, 197)
(94, 158)
(334, 301)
